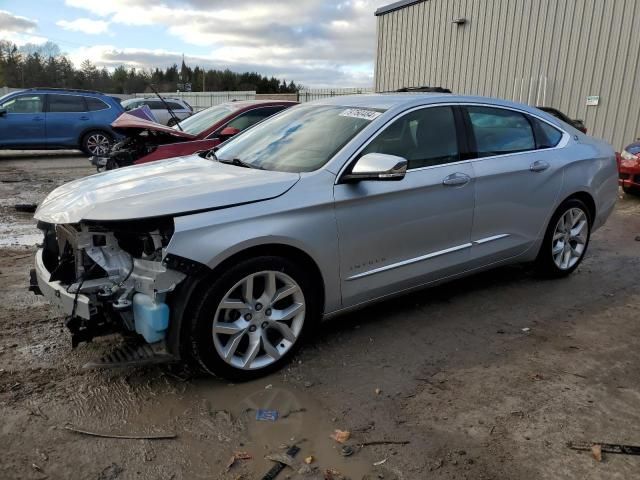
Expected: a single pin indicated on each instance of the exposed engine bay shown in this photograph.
(132, 148)
(117, 270)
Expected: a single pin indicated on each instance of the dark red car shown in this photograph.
(147, 141)
(629, 168)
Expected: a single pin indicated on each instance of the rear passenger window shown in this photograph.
(155, 104)
(95, 104)
(547, 136)
(175, 106)
(424, 137)
(499, 131)
(66, 103)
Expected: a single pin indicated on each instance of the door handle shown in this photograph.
(38, 119)
(84, 118)
(456, 180)
(539, 166)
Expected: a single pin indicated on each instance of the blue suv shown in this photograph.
(49, 118)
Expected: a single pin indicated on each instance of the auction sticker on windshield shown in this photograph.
(360, 113)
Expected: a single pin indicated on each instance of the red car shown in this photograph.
(629, 168)
(147, 141)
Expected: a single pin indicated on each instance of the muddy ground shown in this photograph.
(486, 378)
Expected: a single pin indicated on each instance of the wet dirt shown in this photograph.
(449, 370)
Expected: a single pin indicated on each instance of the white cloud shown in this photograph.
(85, 25)
(328, 37)
(18, 30)
(15, 23)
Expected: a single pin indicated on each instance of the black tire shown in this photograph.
(545, 264)
(93, 142)
(631, 190)
(171, 122)
(201, 343)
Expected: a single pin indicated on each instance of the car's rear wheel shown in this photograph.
(171, 122)
(253, 318)
(566, 239)
(630, 190)
(97, 142)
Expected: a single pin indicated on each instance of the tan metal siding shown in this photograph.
(552, 52)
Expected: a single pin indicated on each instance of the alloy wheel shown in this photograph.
(98, 144)
(570, 238)
(258, 320)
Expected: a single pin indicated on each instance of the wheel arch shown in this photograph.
(586, 198)
(192, 286)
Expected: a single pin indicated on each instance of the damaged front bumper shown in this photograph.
(58, 295)
(102, 287)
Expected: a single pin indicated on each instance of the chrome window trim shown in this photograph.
(427, 256)
(561, 144)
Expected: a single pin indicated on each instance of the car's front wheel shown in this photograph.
(566, 239)
(253, 318)
(96, 143)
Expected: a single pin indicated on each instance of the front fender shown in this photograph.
(302, 218)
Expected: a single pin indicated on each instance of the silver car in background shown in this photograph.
(232, 259)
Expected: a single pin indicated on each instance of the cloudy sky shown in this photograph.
(313, 42)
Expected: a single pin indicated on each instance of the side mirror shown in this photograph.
(377, 166)
(3, 112)
(229, 132)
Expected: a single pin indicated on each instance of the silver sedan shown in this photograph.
(233, 257)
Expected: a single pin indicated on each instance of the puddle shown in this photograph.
(207, 414)
(19, 234)
(301, 421)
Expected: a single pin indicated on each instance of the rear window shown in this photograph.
(547, 136)
(95, 104)
(66, 103)
(175, 106)
(500, 131)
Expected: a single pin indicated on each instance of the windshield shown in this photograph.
(198, 123)
(300, 139)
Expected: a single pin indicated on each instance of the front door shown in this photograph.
(395, 235)
(22, 121)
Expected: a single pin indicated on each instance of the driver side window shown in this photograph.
(24, 104)
(424, 137)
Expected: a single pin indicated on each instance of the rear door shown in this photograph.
(395, 235)
(23, 121)
(518, 178)
(67, 119)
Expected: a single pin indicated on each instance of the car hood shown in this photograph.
(633, 148)
(128, 124)
(170, 187)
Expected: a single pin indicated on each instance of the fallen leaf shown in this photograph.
(376, 464)
(238, 456)
(308, 459)
(596, 451)
(341, 436)
(378, 391)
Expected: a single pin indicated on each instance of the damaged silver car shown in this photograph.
(233, 257)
